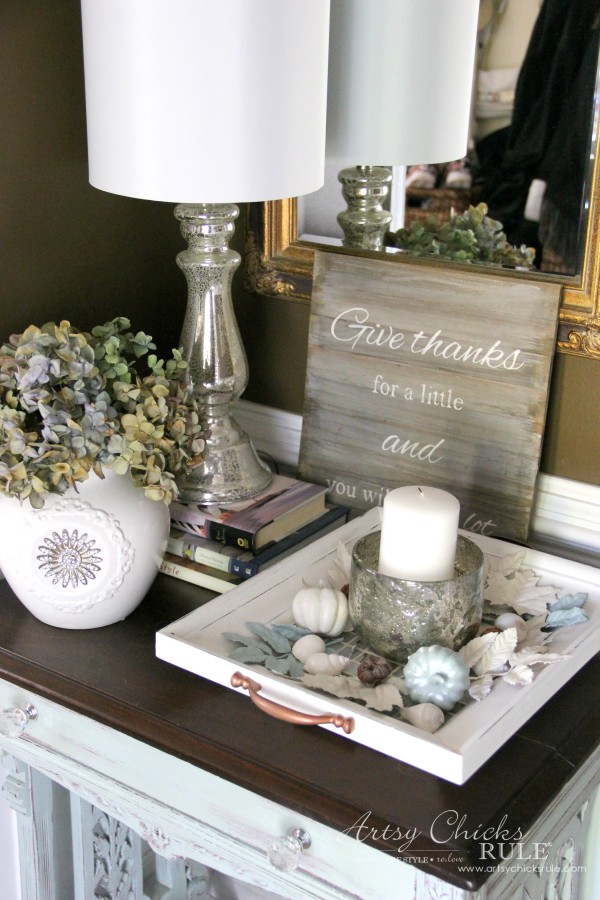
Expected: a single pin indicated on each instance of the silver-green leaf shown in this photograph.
(248, 655)
(276, 641)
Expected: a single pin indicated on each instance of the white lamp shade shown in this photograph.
(206, 101)
(400, 80)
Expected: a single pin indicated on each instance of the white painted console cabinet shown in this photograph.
(134, 779)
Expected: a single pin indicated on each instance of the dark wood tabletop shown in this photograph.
(113, 676)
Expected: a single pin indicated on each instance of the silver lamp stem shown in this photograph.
(365, 222)
(217, 368)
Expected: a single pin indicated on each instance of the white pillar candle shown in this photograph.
(419, 530)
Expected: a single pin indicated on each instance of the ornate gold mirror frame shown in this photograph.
(278, 264)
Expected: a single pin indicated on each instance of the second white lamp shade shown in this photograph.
(400, 80)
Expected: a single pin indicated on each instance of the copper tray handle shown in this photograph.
(284, 712)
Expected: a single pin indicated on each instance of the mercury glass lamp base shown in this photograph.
(396, 617)
(230, 470)
(365, 222)
(217, 368)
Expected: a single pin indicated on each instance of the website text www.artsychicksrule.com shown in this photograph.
(500, 848)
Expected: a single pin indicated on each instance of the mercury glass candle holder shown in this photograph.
(395, 617)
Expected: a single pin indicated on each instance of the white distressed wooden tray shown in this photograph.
(467, 739)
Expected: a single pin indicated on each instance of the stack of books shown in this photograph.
(219, 547)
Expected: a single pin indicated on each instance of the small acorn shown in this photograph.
(373, 669)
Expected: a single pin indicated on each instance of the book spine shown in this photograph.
(202, 579)
(244, 568)
(199, 554)
(196, 528)
(247, 566)
(233, 537)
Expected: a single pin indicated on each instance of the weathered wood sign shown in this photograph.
(423, 375)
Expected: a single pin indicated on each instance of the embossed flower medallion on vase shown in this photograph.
(88, 557)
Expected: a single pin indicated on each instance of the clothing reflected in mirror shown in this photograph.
(532, 170)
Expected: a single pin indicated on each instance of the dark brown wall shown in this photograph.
(66, 249)
(572, 437)
(70, 251)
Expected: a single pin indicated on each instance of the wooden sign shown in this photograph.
(423, 375)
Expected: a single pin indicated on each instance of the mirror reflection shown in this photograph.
(520, 196)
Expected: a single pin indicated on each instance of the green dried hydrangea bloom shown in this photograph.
(469, 237)
(72, 403)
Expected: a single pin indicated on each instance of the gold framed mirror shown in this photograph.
(279, 264)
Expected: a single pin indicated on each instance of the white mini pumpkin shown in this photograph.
(322, 609)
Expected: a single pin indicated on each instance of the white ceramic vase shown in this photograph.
(87, 558)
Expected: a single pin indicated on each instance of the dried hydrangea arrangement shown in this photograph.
(72, 403)
(471, 236)
(520, 618)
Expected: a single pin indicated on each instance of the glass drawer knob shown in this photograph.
(13, 722)
(284, 853)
